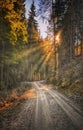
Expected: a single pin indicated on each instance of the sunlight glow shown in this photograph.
(42, 98)
(29, 94)
(58, 38)
(43, 29)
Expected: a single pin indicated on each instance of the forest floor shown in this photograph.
(14, 96)
(43, 108)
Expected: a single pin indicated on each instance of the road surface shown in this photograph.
(49, 110)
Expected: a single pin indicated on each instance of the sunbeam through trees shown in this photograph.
(41, 64)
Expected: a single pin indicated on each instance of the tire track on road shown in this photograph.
(43, 104)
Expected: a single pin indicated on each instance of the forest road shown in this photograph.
(49, 110)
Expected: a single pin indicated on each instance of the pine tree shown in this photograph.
(32, 26)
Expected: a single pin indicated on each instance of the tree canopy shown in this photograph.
(13, 22)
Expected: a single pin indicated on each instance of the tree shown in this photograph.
(13, 32)
(13, 22)
(17, 21)
(53, 9)
(32, 26)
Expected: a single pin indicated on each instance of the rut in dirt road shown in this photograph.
(69, 108)
(43, 116)
(49, 110)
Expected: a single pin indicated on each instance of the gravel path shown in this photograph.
(49, 110)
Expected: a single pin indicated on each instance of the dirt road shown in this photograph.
(49, 110)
